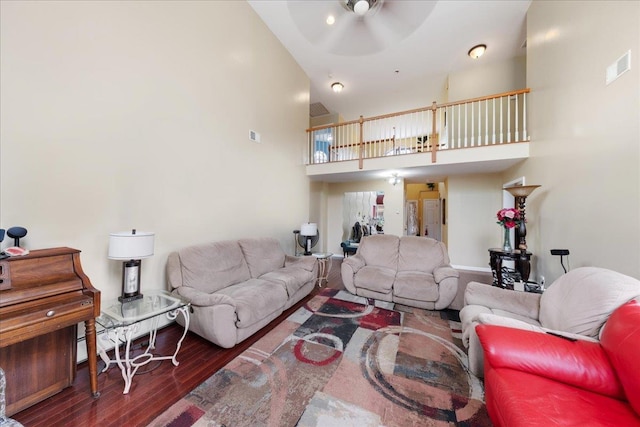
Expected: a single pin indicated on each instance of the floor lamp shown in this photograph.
(521, 192)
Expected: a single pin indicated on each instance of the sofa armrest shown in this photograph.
(356, 262)
(174, 270)
(444, 272)
(525, 304)
(580, 363)
(306, 262)
(203, 299)
(508, 322)
(348, 270)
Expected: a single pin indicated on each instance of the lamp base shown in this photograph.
(131, 298)
(307, 246)
(130, 281)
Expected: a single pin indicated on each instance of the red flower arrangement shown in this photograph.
(508, 217)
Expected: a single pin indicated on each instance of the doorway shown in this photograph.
(431, 219)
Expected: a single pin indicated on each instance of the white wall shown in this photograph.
(473, 200)
(482, 80)
(586, 135)
(120, 115)
(418, 93)
(472, 203)
(393, 208)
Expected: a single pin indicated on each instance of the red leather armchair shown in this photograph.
(535, 379)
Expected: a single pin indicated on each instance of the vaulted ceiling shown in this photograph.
(399, 50)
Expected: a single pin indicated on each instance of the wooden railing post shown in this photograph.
(361, 161)
(434, 137)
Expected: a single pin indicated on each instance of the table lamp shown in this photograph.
(309, 230)
(131, 247)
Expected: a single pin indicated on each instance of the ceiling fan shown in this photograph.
(358, 27)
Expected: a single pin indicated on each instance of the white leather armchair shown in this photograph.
(576, 305)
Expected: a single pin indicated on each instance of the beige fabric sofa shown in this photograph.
(577, 305)
(237, 287)
(409, 270)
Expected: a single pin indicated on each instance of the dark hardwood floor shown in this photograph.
(151, 392)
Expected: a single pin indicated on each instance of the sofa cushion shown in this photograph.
(380, 250)
(377, 279)
(416, 285)
(292, 278)
(519, 399)
(255, 300)
(584, 298)
(213, 266)
(421, 254)
(621, 342)
(262, 255)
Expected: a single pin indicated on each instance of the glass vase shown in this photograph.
(506, 244)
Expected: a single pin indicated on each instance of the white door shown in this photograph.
(431, 219)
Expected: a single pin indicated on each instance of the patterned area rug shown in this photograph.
(342, 360)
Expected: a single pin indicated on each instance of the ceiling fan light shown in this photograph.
(337, 87)
(361, 7)
(477, 51)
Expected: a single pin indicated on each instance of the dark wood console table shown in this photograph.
(522, 261)
(43, 297)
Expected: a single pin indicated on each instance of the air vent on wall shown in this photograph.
(254, 136)
(619, 67)
(317, 109)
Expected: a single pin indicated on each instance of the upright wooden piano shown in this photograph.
(43, 297)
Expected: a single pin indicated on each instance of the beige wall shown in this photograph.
(118, 115)
(585, 143)
(586, 150)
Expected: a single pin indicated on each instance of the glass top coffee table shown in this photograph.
(122, 321)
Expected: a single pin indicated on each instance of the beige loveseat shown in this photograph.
(576, 305)
(408, 270)
(236, 287)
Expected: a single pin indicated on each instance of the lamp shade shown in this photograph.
(127, 245)
(521, 190)
(309, 229)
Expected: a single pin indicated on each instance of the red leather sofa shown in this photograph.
(537, 379)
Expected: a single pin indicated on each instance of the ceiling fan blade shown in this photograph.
(395, 20)
(386, 23)
(310, 17)
(352, 38)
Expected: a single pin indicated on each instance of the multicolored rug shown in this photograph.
(342, 360)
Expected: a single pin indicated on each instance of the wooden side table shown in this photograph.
(522, 260)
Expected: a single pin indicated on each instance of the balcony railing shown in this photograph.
(479, 122)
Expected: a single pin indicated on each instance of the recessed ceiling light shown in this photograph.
(331, 20)
(337, 87)
(477, 51)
